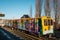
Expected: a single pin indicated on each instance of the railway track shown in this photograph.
(27, 36)
(5, 35)
(22, 34)
(30, 37)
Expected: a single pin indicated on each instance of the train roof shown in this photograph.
(29, 18)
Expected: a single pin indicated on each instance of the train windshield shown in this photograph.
(48, 22)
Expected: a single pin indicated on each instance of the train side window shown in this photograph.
(45, 22)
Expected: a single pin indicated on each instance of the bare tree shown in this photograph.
(47, 8)
(58, 9)
(38, 8)
(31, 11)
(56, 13)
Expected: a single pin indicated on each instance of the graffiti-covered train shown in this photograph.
(42, 25)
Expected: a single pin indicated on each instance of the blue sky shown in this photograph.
(17, 8)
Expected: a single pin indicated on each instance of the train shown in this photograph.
(41, 25)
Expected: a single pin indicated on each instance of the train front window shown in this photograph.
(49, 22)
(45, 22)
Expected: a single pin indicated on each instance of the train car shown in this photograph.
(42, 25)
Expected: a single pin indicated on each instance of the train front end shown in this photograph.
(47, 25)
